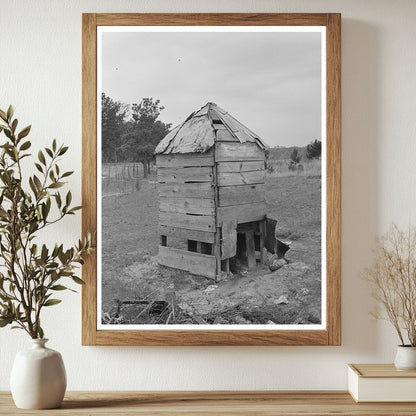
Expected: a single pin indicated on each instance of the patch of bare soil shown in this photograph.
(257, 297)
(160, 295)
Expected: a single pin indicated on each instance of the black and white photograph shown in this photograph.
(211, 177)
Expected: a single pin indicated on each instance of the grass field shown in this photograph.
(289, 295)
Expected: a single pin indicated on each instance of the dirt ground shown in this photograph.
(130, 272)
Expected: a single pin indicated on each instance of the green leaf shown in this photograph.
(54, 145)
(68, 198)
(44, 253)
(63, 150)
(45, 211)
(10, 112)
(61, 256)
(56, 185)
(37, 183)
(14, 125)
(25, 145)
(76, 279)
(75, 209)
(51, 302)
(67, 174)
(3, 115)
(58, 199)
(41, 157)
(49, 151)
(8, 133)
(59, 287)
(5, 321)
(40, 332)
(33, 187)
(34, 249)
(24, 132)
(39, 167)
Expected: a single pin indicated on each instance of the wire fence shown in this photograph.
(123, 178)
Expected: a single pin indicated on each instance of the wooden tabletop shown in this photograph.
(212, 403)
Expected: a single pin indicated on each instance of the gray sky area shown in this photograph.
(270, 82)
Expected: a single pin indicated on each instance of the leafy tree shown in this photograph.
(144, 132)
(113, 115)
(295, 157)
(147, 111)
(313, 149)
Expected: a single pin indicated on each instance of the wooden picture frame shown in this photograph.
(331, 335)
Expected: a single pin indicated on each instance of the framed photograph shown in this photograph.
(211, 172)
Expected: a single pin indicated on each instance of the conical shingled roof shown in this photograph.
(197, 134)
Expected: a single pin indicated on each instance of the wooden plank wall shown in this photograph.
(240, 178)
(186, 195)
(187, 209)
(196, 263)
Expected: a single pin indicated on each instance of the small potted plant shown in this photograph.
(32, 273)
(393, 277)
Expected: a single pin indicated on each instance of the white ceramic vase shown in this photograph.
(405, 358)
(38, 378)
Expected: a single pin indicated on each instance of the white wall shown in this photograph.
(40, 73)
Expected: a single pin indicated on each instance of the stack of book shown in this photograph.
(381, 383)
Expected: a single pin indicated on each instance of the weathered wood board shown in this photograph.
(241, 166)
(229, 239)
(243, 194)
(270, 235)
(186, 190)
(225, 136)
(190, 222)
(196, 263)
(191, 159)
(240, 178)
(182, 233)
(241, 213)
(185, 174)
(250, 251)
(199, 206)
(228, 152)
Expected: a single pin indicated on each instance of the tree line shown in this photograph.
(131, 135)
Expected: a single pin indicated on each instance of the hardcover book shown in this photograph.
(381, 383)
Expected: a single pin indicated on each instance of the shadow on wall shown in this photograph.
(360, 181)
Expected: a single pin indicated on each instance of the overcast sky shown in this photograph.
(270, 82)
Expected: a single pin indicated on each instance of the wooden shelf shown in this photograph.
(212, 403)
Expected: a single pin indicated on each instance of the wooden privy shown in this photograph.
(210, 171)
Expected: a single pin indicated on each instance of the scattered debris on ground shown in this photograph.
(161, 295)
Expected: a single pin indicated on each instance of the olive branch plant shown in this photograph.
(30, 272)
(393, 278)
